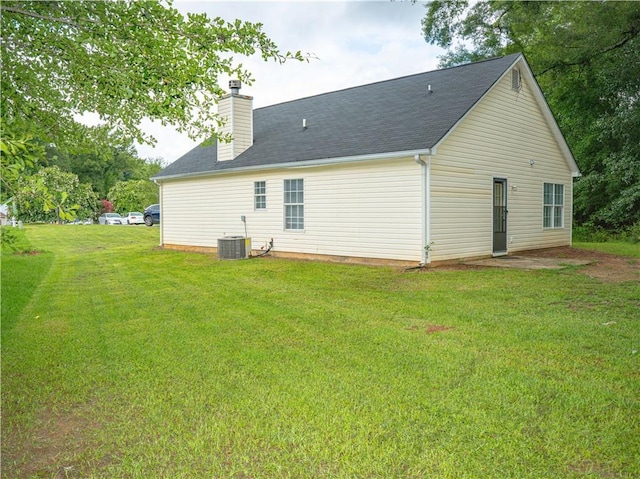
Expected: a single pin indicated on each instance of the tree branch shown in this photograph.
(66, 21)
(631, 35)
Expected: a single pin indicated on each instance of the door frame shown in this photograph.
(499, 248)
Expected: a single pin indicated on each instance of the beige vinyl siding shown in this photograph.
(225, 150)
(238, 113)
(497, 140)
(243, 119)
(367, 209)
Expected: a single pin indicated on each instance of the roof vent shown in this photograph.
(235, 86)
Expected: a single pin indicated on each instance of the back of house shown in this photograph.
(456, 163)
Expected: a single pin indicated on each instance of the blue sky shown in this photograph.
(354, 43)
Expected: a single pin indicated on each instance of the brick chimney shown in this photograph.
(237, 111)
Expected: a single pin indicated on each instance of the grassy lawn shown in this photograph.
(613, 247)
(122, 360)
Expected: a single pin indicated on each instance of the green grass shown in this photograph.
(125, 360)
(613, 247)
(22, 271)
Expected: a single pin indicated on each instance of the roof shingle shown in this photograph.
(385, 117)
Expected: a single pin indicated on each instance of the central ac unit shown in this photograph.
(234, 247)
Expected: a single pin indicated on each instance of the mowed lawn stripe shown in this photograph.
(170, 364)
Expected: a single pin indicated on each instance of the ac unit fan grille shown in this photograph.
(234, 247)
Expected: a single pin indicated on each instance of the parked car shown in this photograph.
(133, 218)
(110, 219)
(152, 215)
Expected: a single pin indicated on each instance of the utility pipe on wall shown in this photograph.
(426, 206)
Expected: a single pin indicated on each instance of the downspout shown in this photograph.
(427, 179)
(426, 206)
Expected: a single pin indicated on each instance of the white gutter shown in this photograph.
(426, 206)
(298, 164)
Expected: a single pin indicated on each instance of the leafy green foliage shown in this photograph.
(103, 170)
(586, 57)
(54, 195)
(13, 240)
(19, 154)
(125, 61)
(133, 195)
(590, 233)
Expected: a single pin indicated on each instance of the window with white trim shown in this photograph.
(294, 204)
(260, 195)
(553, 206)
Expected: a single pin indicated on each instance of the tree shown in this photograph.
(133, 195)
(103, 170)
(586, 58)
(125, 61)
(54, 195)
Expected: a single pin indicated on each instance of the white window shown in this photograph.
(553, 209)
(260, 195)
(293, 204)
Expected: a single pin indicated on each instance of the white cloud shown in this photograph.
(354, 43)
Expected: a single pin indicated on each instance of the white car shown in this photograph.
(133, 218)
(110, 219)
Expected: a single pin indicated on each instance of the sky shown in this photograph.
(350, 43)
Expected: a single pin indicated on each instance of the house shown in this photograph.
(464, 162)
(4, 214)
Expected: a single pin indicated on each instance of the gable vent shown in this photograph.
(516, 82)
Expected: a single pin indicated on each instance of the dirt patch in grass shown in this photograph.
(603, 266)
(27, 252)
(589, 467)
(56, 447)
(430, 328)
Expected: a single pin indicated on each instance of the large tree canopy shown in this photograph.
(586, 57)
(103, 171)
(124, 60)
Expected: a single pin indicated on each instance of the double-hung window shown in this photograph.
(553, 208)
(260, 195)
(294, 204)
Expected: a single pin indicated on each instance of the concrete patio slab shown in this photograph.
(528, 262)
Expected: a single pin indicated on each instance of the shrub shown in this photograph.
(590, 233)
(631, 234)
(14, 240)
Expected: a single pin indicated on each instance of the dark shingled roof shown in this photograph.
(385, 117)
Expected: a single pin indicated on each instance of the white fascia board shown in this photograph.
(299, 164)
